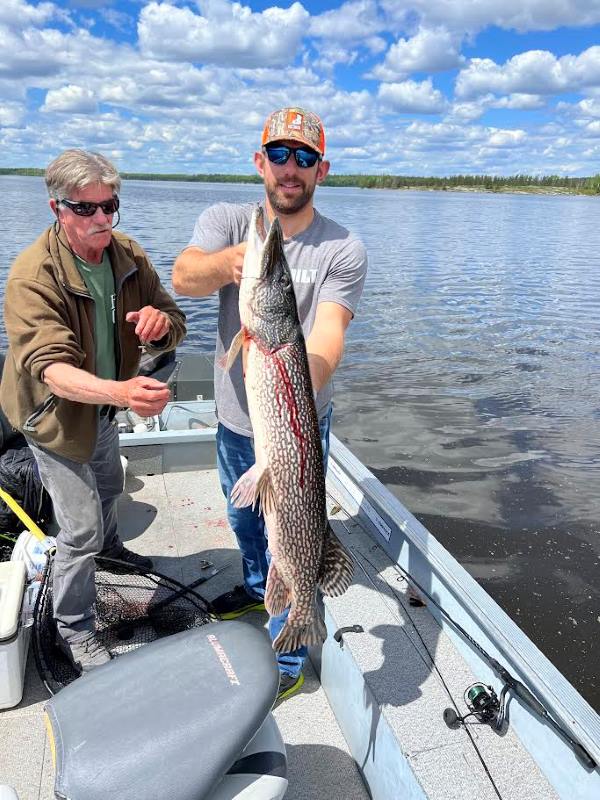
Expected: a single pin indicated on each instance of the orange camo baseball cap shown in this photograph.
(295, 123)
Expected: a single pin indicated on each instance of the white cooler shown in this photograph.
(14, 638)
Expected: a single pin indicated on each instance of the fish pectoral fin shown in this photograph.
(246, 490)
(337, 566)
(266, 492)
(277, 594)
(234, 349)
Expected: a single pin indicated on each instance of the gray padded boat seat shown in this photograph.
(166, 720)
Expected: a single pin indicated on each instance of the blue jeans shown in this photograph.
(235, 455)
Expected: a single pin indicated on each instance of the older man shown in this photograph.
(79, 302)
(328, 266)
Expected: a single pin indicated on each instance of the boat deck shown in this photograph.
(180, 517)
(385, 671)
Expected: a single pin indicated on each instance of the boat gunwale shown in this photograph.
(481, 615)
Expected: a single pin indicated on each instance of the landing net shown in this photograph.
(133, 608)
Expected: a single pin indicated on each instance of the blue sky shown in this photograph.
(418, 87)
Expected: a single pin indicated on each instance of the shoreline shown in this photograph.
(551, 185)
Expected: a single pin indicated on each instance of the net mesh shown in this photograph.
(133, 608)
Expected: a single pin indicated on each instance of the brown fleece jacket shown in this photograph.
(49, 317)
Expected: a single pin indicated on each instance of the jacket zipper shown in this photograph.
(39, 412)
(118, 308)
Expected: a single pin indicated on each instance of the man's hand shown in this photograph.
(146, 396)
(237, 253)
(197, 273)
(150, 323)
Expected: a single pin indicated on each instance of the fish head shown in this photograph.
(268, 307)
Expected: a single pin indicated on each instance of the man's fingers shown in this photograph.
(151, 383)
(151, 328)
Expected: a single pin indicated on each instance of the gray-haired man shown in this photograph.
(78, 302)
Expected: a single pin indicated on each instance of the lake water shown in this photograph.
(470, 383)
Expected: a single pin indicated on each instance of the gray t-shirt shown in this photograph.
(327, 263)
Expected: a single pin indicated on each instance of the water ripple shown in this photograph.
(470, 379)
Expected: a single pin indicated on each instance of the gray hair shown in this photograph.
(75, 169)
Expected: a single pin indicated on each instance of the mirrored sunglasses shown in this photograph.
(279, 154)
(88, 209)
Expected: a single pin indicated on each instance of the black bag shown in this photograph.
(20, 478)
(8, 435)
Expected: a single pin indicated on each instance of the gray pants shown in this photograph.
(84, 497)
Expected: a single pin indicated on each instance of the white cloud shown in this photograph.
(593, 128)
(533, 72)
(356, 21)
(16, 13)
(590, 107)
(72, 99)
(331, 54)
(11, 114)
(194, 97)
(117, 19)
(523, 102)
(469, 111)
(217, 148)
(412, 97)
(227, 34)
(29, 53)
(428, 51)
(520, 15)
(37, 56)
(506, 138)
(442, 132)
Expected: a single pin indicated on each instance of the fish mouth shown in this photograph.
(272, 252)
(268, 245)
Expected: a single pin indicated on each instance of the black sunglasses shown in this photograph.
(88, 209)
(279, 154)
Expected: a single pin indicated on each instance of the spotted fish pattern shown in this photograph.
(288, 479)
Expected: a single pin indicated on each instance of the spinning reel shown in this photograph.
(483, 703)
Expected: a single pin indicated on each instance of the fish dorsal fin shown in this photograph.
(337, 567)
(277, 595)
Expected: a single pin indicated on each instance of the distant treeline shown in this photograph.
(490, 183)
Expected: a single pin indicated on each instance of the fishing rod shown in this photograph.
(483, 700)
(431, 663)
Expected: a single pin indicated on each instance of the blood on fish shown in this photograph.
(290, 401)
(287, 394)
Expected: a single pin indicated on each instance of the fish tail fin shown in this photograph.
(292, 636)
(277, 594)
(337, 566)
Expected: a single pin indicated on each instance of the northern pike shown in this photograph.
(288, 478)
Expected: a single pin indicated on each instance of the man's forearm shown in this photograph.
(325, 349)
(199, 274)
(322, 366)
(72, 383)
(325, 345)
